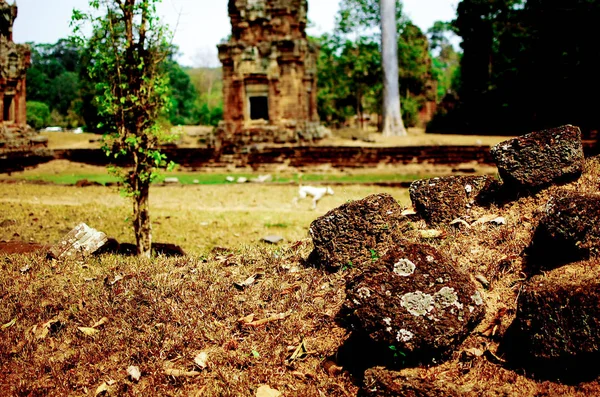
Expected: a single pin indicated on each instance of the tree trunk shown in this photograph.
(141, 220)
(392, 120)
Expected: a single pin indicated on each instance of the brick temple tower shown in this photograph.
(269, 74)
(15, 59)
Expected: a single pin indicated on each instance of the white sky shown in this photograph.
(199, 24)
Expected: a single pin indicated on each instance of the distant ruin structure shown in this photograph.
(20, 145)
(15, 59)
(269, 74)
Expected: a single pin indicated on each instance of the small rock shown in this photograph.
(82, 240)
(266, 391)
(540, 158)
(172, 179)
(242, 179)
(195, 181)
(134, 373)
(230, 179)
(272, 239)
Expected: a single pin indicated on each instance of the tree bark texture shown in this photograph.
(392, 119)
(141, 220)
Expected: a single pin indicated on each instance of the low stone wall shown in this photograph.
(299, 156)
(337, 157)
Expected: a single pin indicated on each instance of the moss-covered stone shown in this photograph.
(540, 158)
(357, 232)
(414, 300)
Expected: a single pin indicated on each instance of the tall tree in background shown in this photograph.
(128, 50)
(392, 119)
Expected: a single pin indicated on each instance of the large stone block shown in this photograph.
(415, 300)
(441, 200)
(558, 320)
(540, 158)
(568, 231)
(357, 232)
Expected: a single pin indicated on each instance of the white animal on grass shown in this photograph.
(317, 193)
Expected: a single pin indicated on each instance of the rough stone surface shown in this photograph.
(558, 319)
(82, 240)
(380, 382)
(413, 298)
(357, 232)
(569, 230)
(15, 59)
(269, 74)
(441, 200)
(540, 158)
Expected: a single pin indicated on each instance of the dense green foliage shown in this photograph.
(38, 114)
(58, 78)
(527, 65)
(350, 68)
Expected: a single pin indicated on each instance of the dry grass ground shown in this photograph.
(160, 314)
(198, 218)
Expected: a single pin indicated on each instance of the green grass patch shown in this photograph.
(221, 178)
(71, 179)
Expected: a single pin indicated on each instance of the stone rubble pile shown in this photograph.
(413, 298)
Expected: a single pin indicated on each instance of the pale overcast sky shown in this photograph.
(199, 24)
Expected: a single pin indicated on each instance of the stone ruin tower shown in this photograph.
(269, 75)
(20, 145)
(15, 59)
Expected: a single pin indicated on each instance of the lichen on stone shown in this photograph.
(404, 335)
(364, 293)
(446, 297)
(417, 303)
(404, 267)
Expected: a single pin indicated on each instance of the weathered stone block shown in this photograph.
(356, 232)
(380, 382)
(540, 158)
(414, 299)
(558, 319)
(441, 200)
(569, 230)
(82, 240)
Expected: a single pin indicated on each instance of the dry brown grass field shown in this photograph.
(196, 217)
(74, 327)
